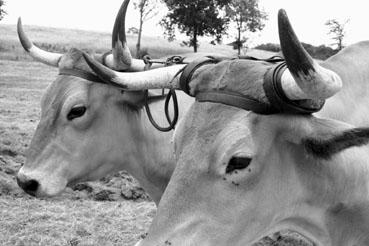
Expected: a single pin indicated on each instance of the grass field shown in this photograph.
(61, 40)
(94, 213)
(26, 221)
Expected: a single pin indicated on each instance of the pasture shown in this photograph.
(112, 211)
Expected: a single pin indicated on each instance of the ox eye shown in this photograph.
(76, 112)
(238, 163)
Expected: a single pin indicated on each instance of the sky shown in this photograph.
(307, 17)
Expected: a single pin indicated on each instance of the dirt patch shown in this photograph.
(284, 238)
(8, 152)
(116, 187)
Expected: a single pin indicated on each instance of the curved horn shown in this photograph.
(305, 78)
(46, 57)
(121, 59)
(159, 78)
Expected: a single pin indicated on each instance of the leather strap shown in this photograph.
(224, 97)
(190, 69)
(273, 59)
(236, 100)
(81, 74)
(278, 101)
(276, 96)
(103, 58)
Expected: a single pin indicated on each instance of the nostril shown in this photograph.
(29, 186)
(32, 185)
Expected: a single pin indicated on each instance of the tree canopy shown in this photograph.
(337, 30)
(195, 18)
(147, 9)
(247, 16)
(2, 11)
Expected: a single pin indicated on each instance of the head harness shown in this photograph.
(278, 101)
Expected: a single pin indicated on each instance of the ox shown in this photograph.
(241, 175)
(89, 129)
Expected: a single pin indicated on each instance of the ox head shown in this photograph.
(241, 176)
(87, 129)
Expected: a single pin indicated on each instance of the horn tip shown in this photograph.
(26, 43)
(121, 53)
(283, 20)
(282, 12)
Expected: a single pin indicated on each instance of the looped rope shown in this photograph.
(171, 94)
(172, 122)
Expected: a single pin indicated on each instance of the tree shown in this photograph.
(247, 16)
(147, 9)
(2, 11)
(195, 18)
(337, 30)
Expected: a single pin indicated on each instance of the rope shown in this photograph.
(171, 95)
(171, 122)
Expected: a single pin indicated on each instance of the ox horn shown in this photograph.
(121, 59)
(160, 78)
(38, 54)
(305, 78)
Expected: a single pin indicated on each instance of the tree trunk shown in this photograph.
(239, 27)
(195, 40)
(239, 41)
(138, 45)
(340, 46)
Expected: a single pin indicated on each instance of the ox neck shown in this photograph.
(153, 162)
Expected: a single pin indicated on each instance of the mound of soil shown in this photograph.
(120, 186)
(284, 238)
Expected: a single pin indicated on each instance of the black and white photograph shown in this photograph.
(184, 123)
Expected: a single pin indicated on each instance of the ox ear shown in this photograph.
(325, 148)
(318, 137)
